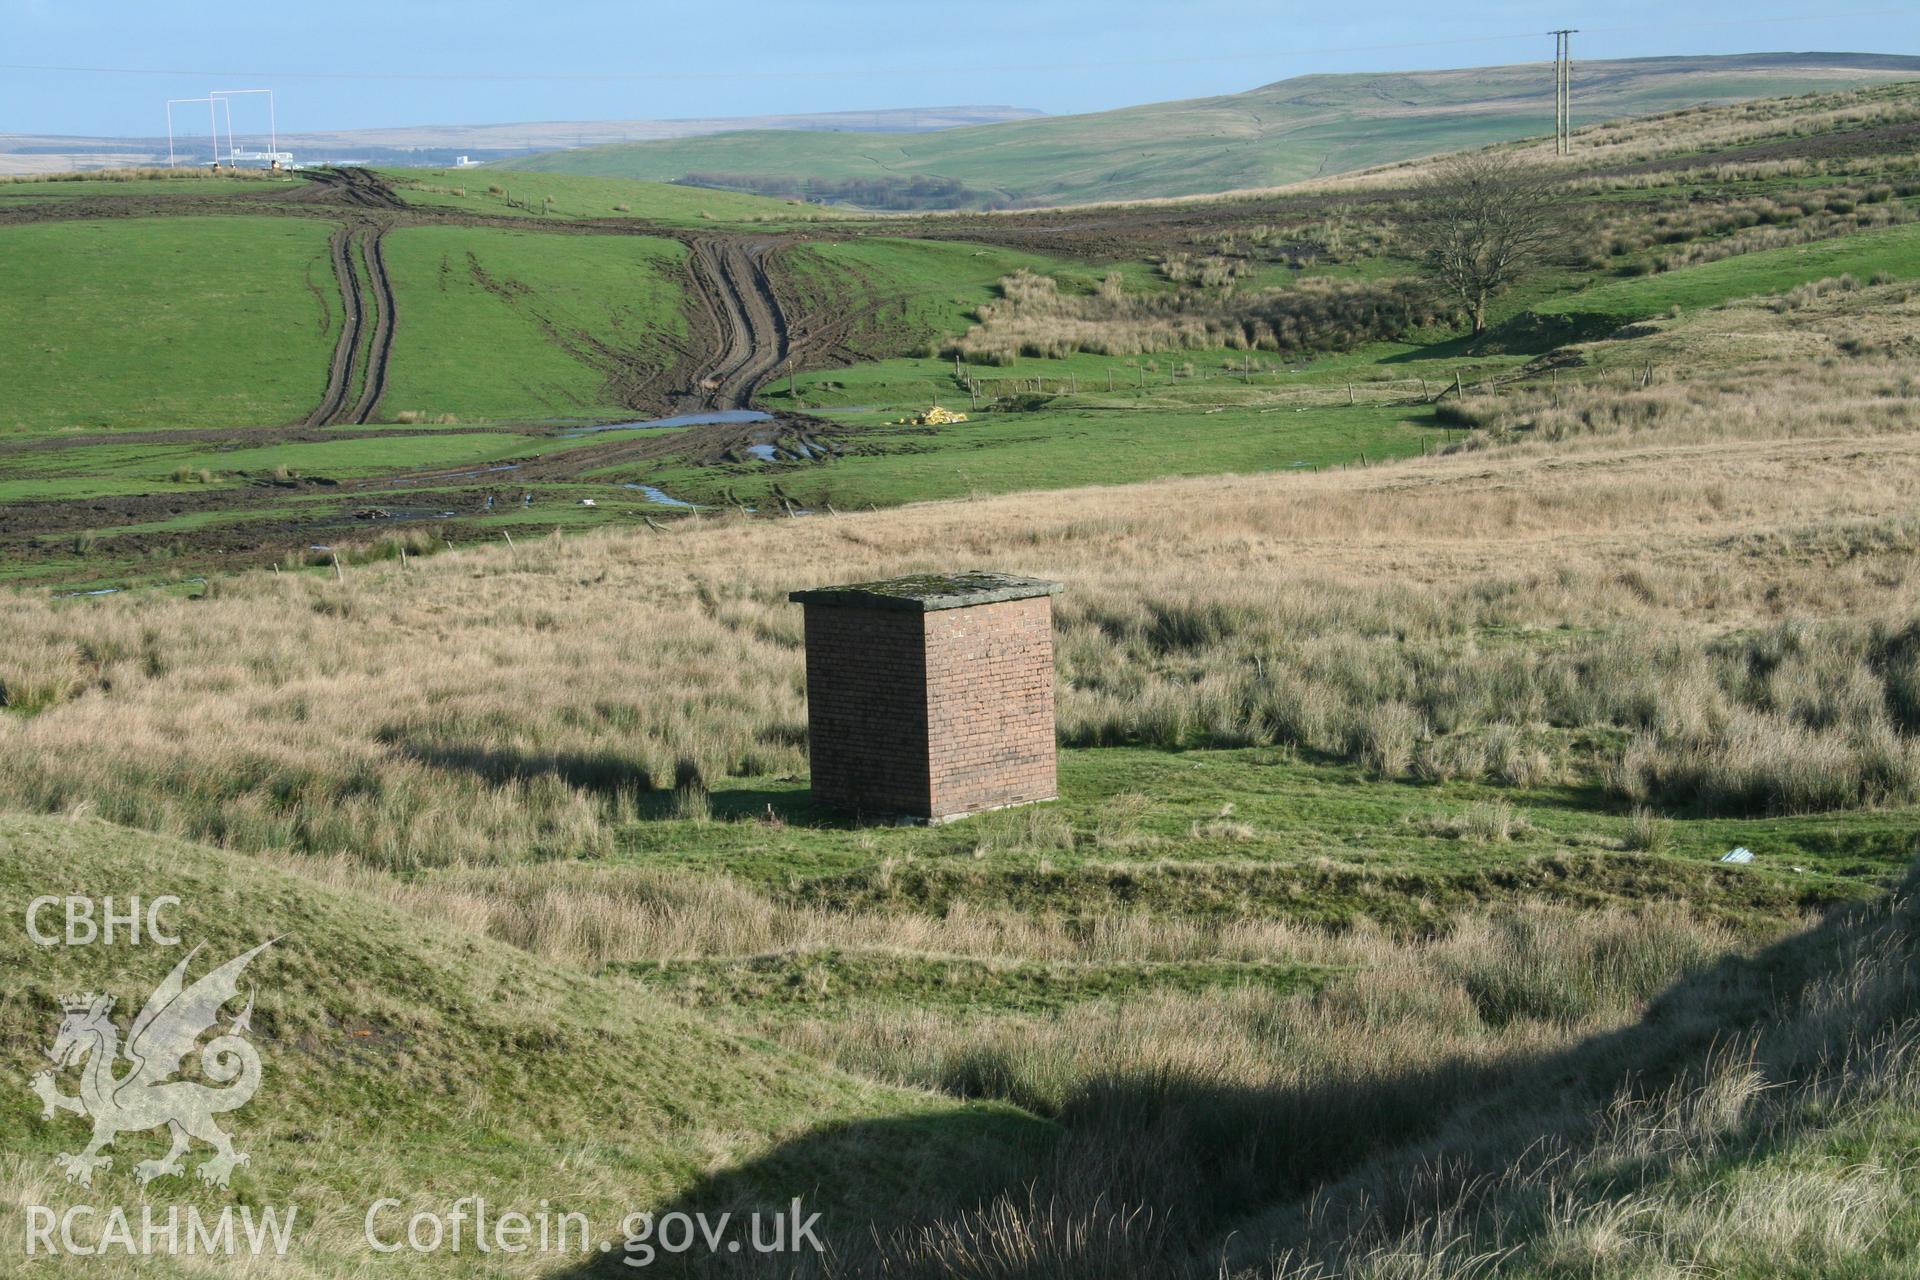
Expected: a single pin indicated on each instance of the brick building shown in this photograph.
(931, 697)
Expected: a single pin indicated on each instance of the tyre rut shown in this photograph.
(380, 350)
(730, 277)
(340, 373)
(347, 245)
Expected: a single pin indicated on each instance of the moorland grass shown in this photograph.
(481, 706)
(1285, 132)
(1388, 937)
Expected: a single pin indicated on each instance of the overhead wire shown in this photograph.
(918, 72)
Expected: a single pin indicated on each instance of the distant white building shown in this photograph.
(464, 162)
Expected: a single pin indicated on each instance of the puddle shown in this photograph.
(667, 500)
(680, 420)
(764, 452)
(110, 591)
(661, 496)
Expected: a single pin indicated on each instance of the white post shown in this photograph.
(211, 116)
(273, 121)
(227, 106)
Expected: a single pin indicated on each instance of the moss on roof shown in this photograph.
(924, 592)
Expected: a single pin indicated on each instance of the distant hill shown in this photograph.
(436, 145)
(1279, 133)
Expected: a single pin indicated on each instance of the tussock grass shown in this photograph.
(144, 173)
(1647, 832)
(1184, 1113)
(1532, 1093)
(1035, 319)
(1795, 717)
(594, 917)
(1031, 828)
(1490, 822)
(1771, 1137)
(1691, 130)
(1685, 234)
(1737, 621)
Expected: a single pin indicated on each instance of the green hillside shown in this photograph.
(213, 322)
(410, 1059)
(550, 307)
(183, 387)
(166, 323)
(1283, 132)
(571, 197)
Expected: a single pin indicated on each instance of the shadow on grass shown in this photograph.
(602, 773)
(611, 775)
(1161, 1173)
(1529, 333)
(793, 806)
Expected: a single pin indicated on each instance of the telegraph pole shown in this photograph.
(1563, 90)
(1559, 120)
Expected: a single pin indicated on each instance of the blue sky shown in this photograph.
(359, 63)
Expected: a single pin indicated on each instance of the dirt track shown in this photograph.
(347, 244)
(740, 334)
(730, 279)
(381, 348)
(339, 374)
(361, 187)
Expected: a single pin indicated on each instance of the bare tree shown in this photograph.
(1481, 221)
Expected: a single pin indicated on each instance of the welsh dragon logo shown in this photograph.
(146, 1095)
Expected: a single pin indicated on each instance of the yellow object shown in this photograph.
(934, 417)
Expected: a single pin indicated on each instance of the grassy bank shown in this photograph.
(414, 1060)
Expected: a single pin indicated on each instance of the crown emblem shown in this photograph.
(147, 1094)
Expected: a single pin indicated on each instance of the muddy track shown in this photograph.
(380, 350)
(731, 280)
(353, 186)
(340, 373)
(347, 245)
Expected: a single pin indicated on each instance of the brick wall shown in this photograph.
(932, 714)
(867, 709)
(990, 705)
